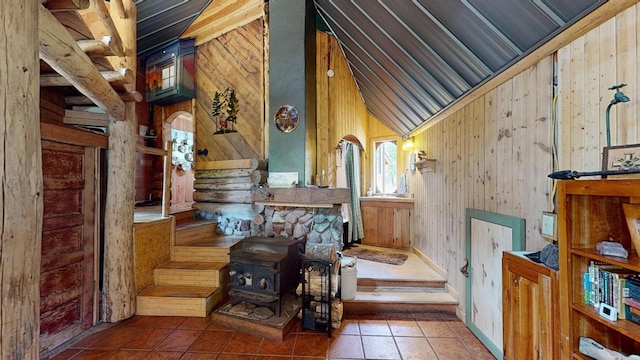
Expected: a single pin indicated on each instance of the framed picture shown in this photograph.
(622, 157)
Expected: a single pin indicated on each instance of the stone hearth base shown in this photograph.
(275, 327)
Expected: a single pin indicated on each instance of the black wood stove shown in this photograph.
(264, 271)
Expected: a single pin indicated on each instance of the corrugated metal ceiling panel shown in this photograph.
(412, 58)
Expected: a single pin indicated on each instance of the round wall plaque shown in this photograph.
(286, 118)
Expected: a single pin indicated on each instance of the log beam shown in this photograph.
(100, 24)
(65, 5)
(95, 48)
(115, 78)
(21, 200)
(131, 96)
(62, 53)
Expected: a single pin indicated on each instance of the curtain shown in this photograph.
(352, 168)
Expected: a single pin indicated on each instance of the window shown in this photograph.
(168, 76)
(385, 167)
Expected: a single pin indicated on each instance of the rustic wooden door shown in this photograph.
(68, 236)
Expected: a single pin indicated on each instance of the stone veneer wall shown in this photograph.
(306, 224)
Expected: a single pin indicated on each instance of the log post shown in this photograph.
(21, 174)
(119, 275)
(119, 287)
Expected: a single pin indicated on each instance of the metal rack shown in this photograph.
(316, 295)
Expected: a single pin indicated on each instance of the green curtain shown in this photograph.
(352, 168)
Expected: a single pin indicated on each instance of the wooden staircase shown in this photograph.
(195, 280)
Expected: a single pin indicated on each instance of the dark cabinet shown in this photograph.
(170, 73)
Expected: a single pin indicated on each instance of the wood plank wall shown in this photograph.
(606, 56)
(235, 59)
(494, 155)
(340, 109)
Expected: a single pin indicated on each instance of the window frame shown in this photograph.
(372, 162)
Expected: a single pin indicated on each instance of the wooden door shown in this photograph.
(68, 235)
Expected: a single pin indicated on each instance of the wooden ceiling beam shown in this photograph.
(65, 5)
(62, 53)
(117, 7)
(115, 78)
(100, 24)
(131, 96)
(95, 48)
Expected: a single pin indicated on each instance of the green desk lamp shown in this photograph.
(618, 97)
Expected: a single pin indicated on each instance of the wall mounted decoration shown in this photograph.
(286, 118)
(622, 157)
(170, 73)
(225, 111)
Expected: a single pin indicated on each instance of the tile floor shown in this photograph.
(423, 337)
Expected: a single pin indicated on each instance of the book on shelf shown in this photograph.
(606, 283)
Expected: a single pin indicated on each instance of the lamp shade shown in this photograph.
(407, 144)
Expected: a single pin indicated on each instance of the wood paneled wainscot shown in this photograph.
(387, 221)
(530, 308)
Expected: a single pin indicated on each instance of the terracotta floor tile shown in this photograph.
(93, 355)
(276, 347)
(404, 328)
(346, 347)
(114, 338)
(272, 357)
(156, 322)
(436, 329)
(147, 339)
(164, 355)
(311, 345)
(380, 347)
(415, 348)
(195, 323)
(199, 356)
(234, 357)
(399, 316)
(348, 327)
(450, 349)
(179, 340)
(212, 341)
(428, 316)
(66, 354)
(477, 348)
(460, 328)
(243, 344)
(129, 355)
(374, 327)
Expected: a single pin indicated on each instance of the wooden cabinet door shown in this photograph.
(528, 310)
(68, 234)
(402, 229)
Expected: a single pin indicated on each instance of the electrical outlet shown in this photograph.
(549, 225)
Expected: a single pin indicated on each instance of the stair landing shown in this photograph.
(412, 287)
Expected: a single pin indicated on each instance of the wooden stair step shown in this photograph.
(428, 283)
(400, 300)
(163, 300)
(213, 249)
(184, 216)
(194, 230)
(191, 273)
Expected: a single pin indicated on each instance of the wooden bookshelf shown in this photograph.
(590, 211)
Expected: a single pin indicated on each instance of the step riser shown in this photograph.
(174, 306)
(195, 233)
(196, 253)
(187, 277)
(351, 308)
(401, 283)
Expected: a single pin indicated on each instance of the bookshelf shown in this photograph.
(590, 211)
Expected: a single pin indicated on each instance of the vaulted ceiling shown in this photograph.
(409, 58)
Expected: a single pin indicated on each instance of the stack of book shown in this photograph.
(633, 301)
(610, 284)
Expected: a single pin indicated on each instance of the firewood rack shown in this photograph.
(316, 295)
